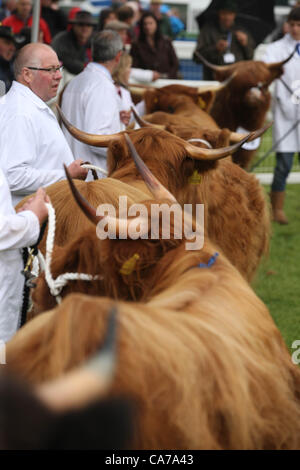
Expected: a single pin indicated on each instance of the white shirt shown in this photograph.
(285, 108)
(16, 231)
(90, 103)
(32, 145)
(141, 75)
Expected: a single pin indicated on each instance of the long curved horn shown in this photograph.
(214, 154)
(88, 382)
(237, 137)
(121, 225)
(142, 123)
(276, 65)
(216, 88)
(156, 188)
(215, 68)
(90, 139)
(84, 205)
(136, 90)
(192, 151)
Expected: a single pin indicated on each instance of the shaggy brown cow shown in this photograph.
(246, 99)
(237, 216)
(202, 359)
(70, 221)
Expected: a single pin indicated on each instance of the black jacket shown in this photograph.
(6, 75)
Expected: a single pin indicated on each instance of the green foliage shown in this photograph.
(277, 282)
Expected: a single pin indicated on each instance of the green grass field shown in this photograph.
(278, 278)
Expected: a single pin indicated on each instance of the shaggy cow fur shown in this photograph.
(202, 360)
(69, 220)
(239, 103)
(237, 215)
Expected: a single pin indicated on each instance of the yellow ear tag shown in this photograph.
(201, 103)
(155, 100)
(129, 266)
(196, 178)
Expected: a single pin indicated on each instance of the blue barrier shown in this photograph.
(190, 70)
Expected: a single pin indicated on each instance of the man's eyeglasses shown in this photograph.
(51, 70)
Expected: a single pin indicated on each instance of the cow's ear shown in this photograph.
(275, 72)
(206, 100)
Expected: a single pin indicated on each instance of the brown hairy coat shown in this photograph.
(236, 213)
(202, 359)
(70, 221)
(236, 104)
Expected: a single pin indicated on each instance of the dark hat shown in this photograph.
(6, 32)
(83, 17)
(228, 5)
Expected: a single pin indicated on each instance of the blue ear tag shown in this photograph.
(211, 261)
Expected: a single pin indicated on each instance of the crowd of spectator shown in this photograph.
(146, 35)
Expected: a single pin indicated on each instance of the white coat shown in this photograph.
(90, 103)
(124, 101)
(16, 231)
(286, 111)
(32, 145)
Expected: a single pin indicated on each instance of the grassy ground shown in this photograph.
(278, 279)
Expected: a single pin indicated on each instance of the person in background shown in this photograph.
(121, 79)
(74, 47)
(163, 21)
(33, 147)
(54, 17)
(22, 18)
(126, 15)
(7, 52)
(106, 15)
(136, 74)
(8, 6)
(120, 27)
(152, 50)
(222, 41)
(286, 110)
(89, 101)
(174, 16)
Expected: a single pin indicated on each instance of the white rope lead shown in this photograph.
(56, 285)
(88, 166)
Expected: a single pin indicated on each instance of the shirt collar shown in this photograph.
(291, 40)
(25, 91)
(99, 68)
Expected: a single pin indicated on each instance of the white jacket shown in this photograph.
(90, 103)
(286, 111)
(16, 231)
(32, 145)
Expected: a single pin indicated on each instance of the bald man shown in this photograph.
(33, 147)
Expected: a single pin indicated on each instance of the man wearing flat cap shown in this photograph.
(222, 41)
(73, 47)
(7, 52)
